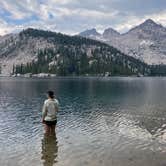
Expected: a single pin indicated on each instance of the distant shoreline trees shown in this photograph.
(66, 62)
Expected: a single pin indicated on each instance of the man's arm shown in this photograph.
(44, 112)
(56, 106)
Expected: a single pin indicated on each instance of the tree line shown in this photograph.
(67, 60)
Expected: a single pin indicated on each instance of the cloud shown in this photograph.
(15, 9)
(5, 28)
(73, 16)
(132, 21)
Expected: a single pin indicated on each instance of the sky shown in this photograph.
(74, 16)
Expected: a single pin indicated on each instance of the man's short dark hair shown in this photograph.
(50, 94)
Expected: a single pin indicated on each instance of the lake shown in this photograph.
(101, 122)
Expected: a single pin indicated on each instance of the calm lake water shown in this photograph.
(101, 122)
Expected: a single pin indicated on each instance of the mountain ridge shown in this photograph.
(146, 42)
(37, 51)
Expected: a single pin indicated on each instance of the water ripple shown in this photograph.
(100, 122)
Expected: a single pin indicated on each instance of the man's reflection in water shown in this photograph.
(49, 150)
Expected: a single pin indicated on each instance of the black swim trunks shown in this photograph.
(50, 123)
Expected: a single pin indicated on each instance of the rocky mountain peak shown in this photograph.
(90, 32)
(149, 22)
(148, 26)
(109, 32)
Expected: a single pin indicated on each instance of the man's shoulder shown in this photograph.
(56, 101)
(46, 101)
(50, 101)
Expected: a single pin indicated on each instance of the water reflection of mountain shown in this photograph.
(49, 150)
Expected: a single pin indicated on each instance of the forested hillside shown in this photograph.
(74, 55)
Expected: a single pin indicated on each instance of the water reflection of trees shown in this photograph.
(49, 150)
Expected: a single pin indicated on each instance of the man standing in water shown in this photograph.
(49, 112)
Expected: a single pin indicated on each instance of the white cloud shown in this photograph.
(15, 9)
(61, 2)
(160, 17)
(134, 20)
(44, 12)
(72, 16)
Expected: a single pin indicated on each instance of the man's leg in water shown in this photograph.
(47, 129)
(52, 129)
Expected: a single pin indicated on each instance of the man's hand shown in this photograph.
(42, 121)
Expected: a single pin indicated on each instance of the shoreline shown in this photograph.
(90, 76)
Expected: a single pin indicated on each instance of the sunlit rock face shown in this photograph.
(146, 42)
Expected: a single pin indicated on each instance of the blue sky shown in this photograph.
(73, 16)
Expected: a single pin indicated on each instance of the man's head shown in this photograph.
(50, 94)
